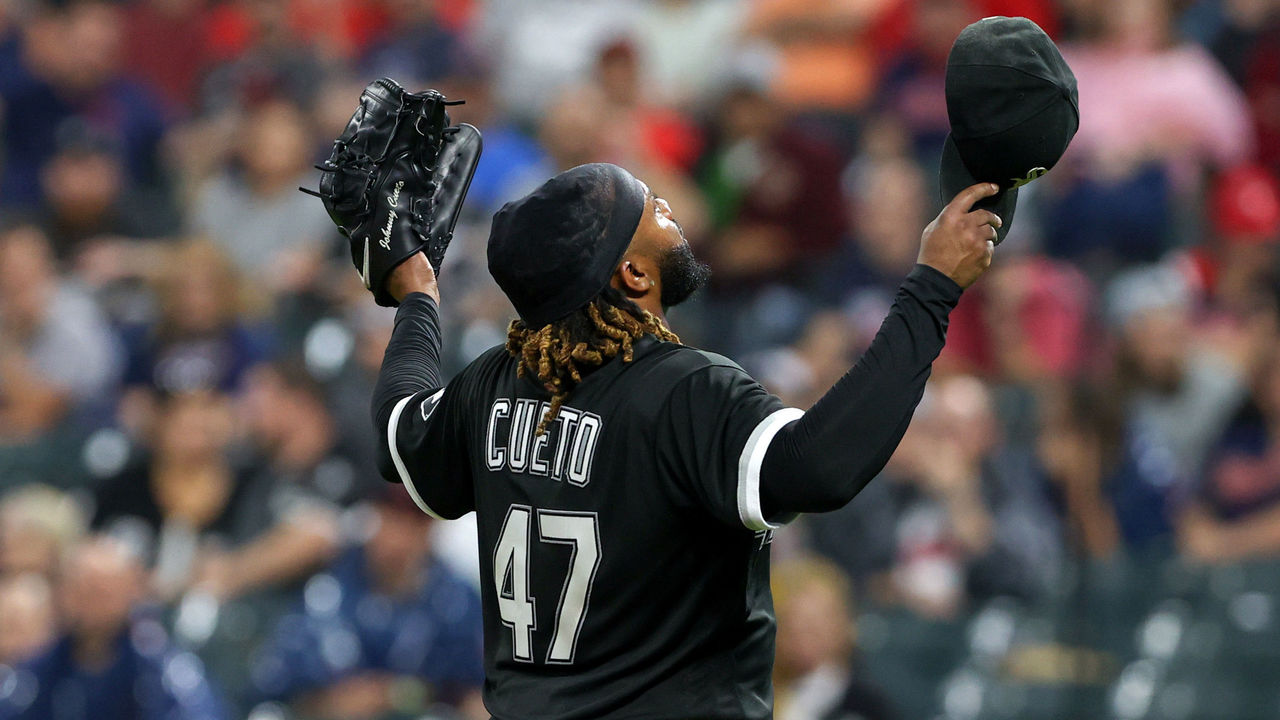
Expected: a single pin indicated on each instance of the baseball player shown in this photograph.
(626, 486)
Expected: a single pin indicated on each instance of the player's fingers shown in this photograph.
(965, 199)
(986, 217)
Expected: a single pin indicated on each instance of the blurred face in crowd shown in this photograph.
(27, 280)
(1155, 342)
(101, 583)
(962, 412)
(26, 616)
(748, 114)
(35, 524)
(193, 428)
(200, 295)
(276, 145)
(888, 209)
(572, 130)
(619, 73)
(399, 544)
(25, 546)
(77, 49)
(268, 405)
(82, 187)
(814, 620)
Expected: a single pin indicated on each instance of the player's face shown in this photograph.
(679, 271)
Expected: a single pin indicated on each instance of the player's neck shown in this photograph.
(651, 304)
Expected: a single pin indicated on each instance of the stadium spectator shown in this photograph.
(159, 51)
(775, 208)
(1234, 515)
(1176, 393)
(888, 197)
(826, 59)
(183, 493)
(1155, 113)
(683, 46)
(38, 525)
(1027, 325)
(818, 674)
(912, 85)
(959, 516)
(26, 617)
(58, 356)
(774, 196)
(301, 450)
(274, 234)
(414, 45)
(202, 338)
(386, 629)
(71, 72)
(110, 663)
(88, 199)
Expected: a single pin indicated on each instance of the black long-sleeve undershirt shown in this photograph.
(411, 362)
(822, 460)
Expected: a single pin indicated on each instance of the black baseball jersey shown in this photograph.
(624, 553)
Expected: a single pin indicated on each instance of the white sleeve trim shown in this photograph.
(749, 464)
(392, 425)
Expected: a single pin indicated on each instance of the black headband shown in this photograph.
(555, 249)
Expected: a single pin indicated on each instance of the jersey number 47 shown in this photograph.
(516, 606)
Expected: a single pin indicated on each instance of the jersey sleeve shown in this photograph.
(712, 436)
(426, 446)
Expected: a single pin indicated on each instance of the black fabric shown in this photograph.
(954, 177)
(412, 360)
(679, 621)
(1013, 107)
(554, 249)
(821, 461)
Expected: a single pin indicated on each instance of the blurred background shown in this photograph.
(1082, 522)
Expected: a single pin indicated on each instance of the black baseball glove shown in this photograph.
(396, 178)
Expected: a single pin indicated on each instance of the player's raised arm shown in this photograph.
(394, 185)
(997, 68)
(820, 461)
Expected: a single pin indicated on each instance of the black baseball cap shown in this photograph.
(1013, 107)
(553, 250)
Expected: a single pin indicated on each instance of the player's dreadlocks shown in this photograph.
(560, 354)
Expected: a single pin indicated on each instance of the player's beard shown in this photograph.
(682, 274)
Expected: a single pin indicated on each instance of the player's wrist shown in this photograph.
(414, 275)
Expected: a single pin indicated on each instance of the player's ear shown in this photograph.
(632, 279)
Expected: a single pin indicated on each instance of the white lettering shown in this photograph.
(584, 449)
(497, 456)
(537, 463)
(522, 425)
(566, 450)
(568, 420)
(393, 200)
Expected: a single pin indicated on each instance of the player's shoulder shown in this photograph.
(486, 366)
(676, 359)
(662, 367)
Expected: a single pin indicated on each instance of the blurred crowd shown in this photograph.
(191, 522)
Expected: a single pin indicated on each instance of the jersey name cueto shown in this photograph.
(564, 452)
